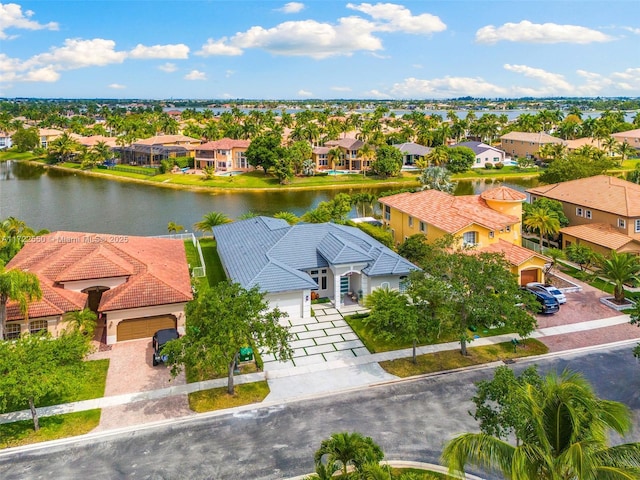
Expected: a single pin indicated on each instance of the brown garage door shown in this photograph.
(527, 276)
(144, 327)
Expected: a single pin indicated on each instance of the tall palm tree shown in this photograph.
(22, 287)
(335, 154)
(625, 150)
(346, 449)
(544, 220)
(619, 269)
(210, 220)
(564, 437)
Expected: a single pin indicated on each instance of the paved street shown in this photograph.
(409, 419)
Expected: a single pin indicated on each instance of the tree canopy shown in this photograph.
(388, 161)
(576, 166)
(264, 151)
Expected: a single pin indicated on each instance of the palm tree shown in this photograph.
(288, 217)
(173, 227)
(22, 287)
(83, 320)
(625, 150)
(619, 269)
(544, 220)
(564, 436)
(323, 472)
(436, 178)
(335, 154)
(210, 220)
(438, 156)
(348, 449)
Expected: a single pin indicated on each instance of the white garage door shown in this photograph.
(289, 302)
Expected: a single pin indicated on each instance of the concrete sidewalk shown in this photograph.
(329, 376)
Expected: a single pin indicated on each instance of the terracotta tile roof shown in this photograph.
(55, 301)
(539, 138)
(160, 264)
(167, 140)
(447, 212)
(504, 194)
(600, 234)
(348, 143)
(224, 144)
(620, 136)
(514, 254)
(94, 140)
(602, 192)
(581, 142)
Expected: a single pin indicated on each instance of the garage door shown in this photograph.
(291, 303)
(144, 327)
(527, 276)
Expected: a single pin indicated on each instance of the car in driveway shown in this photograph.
(548, 302)
(550, 289)
(160, 338)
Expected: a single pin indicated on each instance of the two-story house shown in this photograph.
(488, 222)
(224, 155)
(526, 145)
(632, 137)
(350, 158)
(603, 212)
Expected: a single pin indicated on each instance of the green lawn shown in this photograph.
(215, 272)
(376, 345)
(51, 428)
(451, 359)
(218, 399)
(595, 281)
(10, 155)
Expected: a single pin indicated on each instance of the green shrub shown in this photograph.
(379, 233)
(488, 166)
(499, 165)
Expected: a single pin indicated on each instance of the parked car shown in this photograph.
(548, 302)
(160, 338)
(550, 289)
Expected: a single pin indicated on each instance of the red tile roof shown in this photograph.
(600, 234)
(224, 144)
(154, 270)
(503, 194)
(514, 254)
(447, 212)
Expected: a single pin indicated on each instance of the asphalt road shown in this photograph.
(409, 419)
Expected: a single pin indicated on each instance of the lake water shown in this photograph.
(58, 200)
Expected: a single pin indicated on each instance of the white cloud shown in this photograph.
(399, 18)
(377, 94)
(528, 32)
(219, 47)
(292, 7)
(11, 16)
(78, 53)
(446, 87)
(45, 74)
(195, 75)
(552, 82)
(168, 67)
(227, 95)
(117, 86)
(341, 89)
(177, 51)
(628, 80)
(304, 93)
(229, 73)
(632, 30)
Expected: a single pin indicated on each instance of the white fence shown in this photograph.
(196, 272)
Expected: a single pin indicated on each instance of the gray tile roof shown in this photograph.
(268, 252)
(477, 147)
(411, 148)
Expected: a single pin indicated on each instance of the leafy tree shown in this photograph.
(264, 151)
(437, 178)
(299, 152)
(563, 427)
(284, 169)
(210, 220)
(544, 221)
(14, 233)
(460, 159)
(25, 139)
(576, 166)
(19, 286)
(346, 449)
(63, 148)
(580, 254)
(36, 366)
(335, 210)
(388, 162)
(620, 269)
(222, 320)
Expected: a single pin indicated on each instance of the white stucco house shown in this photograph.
(485, 154)
(290, 262)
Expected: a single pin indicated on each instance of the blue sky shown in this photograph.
(319, 49)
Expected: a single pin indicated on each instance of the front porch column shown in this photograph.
(336, 291)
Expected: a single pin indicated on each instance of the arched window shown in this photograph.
(38, 326)
(385, 285)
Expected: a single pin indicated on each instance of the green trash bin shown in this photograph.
(246, 354)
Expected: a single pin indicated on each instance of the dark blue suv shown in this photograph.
(548, 302)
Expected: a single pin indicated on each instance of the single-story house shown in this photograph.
(290, 262)
(136, 285)
(485, 154)
(412, 152)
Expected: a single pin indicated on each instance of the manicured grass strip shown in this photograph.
(51, 428)
(376, 345)
(215, 272)
(10, 155)
(451, 359)
(420, 474)
(218, 399)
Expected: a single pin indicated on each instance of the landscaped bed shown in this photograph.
(219, 399)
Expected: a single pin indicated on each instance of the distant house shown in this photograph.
(488, 222)
(93, 140)
(632, 137)
(320, 156)
(412, 152)
(151, 151)
(526, 145)
(485, 154)
(47, 135)
(350, 159)
(5, 140)
(603, 212)
(226, 154)
(136, 285)
(290, 262)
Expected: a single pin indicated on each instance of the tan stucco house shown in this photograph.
(526, 145)
(225, 155)
(136, 285)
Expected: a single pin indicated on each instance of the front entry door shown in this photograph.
(344, 285)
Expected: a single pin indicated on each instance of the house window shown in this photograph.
(508, 228)
(403, 284)
(469, 238)
(423, 227)
(637, 225)
(410, 222)
(579, 212)
(385, 285)
(387, 213)
(38, 326)
(496, 159)
(491, 234)
(11, 331)
(324, 283)
(478, 160)
(622, 223)
(587, 214)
